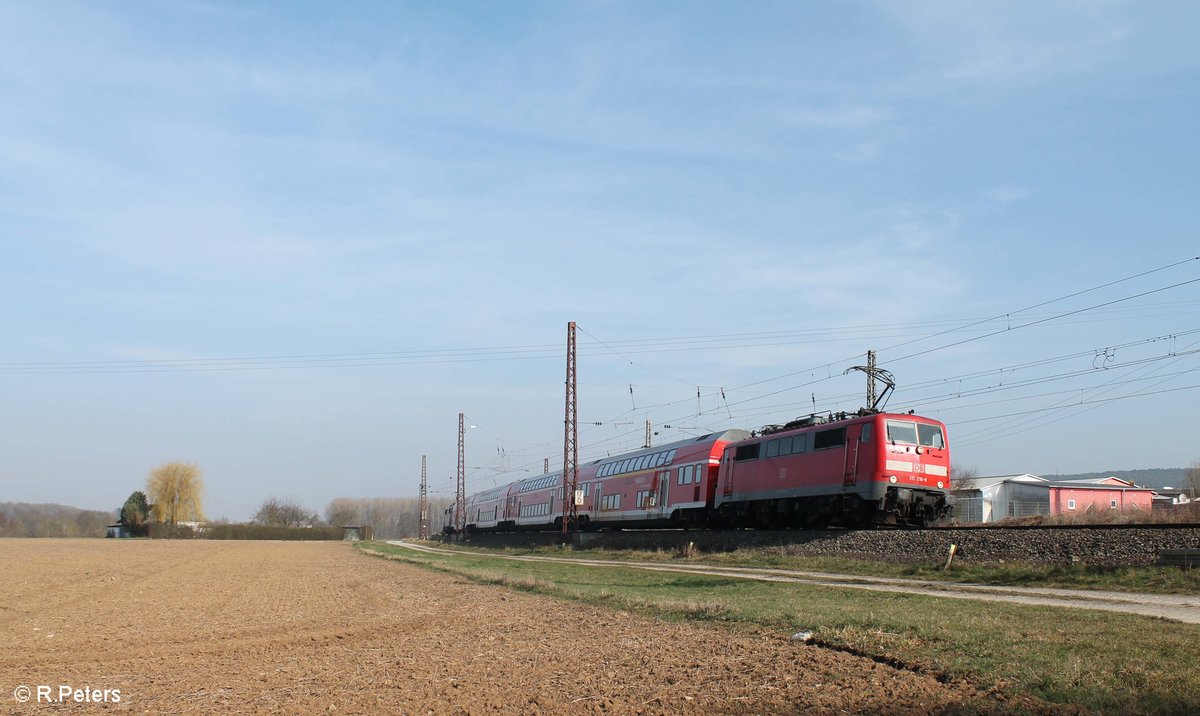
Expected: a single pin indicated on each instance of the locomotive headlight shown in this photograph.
(892, 479)
(940, 484)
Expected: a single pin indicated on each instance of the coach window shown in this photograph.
(773, 448)
(670, 456)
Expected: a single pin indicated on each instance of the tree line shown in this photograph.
(21, 519)
(389, 517)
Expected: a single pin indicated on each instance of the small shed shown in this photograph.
(118, 530)
(987, 499)
(1167, 497)
(356, 533)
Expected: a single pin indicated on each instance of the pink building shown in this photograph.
(1107, 494)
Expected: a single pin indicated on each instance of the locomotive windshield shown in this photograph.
(910, 433)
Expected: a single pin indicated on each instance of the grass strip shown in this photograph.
(1152, 580)
(1100, 660)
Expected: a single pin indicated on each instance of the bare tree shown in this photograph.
(278, 512)
(1191, 479)
(963, 478)
(343, 511)
(174, 490)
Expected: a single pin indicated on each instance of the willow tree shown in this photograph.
(174, 490)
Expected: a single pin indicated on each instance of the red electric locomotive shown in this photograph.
(851, 469)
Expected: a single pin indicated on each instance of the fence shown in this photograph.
(1028, 509)
(968, 509)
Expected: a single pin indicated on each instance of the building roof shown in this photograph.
(1089, 485)
(978, 483)
(1110, 480)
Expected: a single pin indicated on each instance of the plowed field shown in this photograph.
(290, 627)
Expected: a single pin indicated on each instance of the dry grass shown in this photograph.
(1096, 515)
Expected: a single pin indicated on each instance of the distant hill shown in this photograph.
(22, 519)
(1157, 477)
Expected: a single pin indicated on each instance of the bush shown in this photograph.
(252, 531)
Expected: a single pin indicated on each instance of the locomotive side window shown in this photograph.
(867, 429)
(902, 431)
(930, 436)
(785, 446)
(799, 442)
(773, 448)
(747, 452)
(829, 438)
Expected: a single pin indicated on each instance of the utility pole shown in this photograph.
(570, 474)
(423, 525)
(647, 444)
(460, 495)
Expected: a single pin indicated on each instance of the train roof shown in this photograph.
(829, 419)
(727, 435)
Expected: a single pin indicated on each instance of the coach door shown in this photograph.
(725, 476)
(663, 478)
(850, 475)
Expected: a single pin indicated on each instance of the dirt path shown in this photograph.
(1179, 607)
(293, 628)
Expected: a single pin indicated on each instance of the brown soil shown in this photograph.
(289, 627)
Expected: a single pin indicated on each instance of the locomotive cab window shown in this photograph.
(930, 436)
(902, 431)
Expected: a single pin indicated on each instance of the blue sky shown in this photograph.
(290, 242)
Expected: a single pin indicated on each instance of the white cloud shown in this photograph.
(836, 117)
(861, 152)
(993, 41)
(1008, 194)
